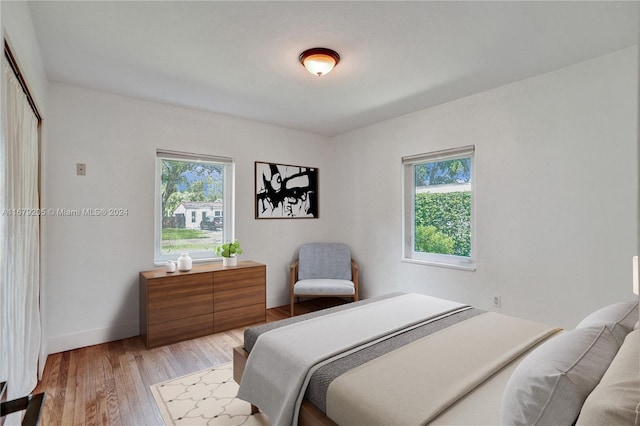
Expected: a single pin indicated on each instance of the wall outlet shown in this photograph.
(497, 301)
(81, 169)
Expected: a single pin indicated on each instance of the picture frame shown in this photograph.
(285, 191)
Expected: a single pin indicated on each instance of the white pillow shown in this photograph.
(619, 317)
(552, 382)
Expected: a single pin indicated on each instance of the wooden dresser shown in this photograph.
(207, 299)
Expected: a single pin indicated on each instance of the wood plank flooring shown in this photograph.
(108, 384)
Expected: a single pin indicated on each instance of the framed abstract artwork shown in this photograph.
(284, 191)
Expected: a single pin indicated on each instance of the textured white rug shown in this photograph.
(207, 397)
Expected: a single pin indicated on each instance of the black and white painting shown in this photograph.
(285, 191)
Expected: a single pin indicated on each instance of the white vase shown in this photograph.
(229, 261)
(171, 266)
(184, 262)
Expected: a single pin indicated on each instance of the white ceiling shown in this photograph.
(241, 58)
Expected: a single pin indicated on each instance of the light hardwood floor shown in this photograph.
(108, 384)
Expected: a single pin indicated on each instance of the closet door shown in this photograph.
(19, 238)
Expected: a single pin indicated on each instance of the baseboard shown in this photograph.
(92, 337)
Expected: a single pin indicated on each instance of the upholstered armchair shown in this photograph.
(323, 270)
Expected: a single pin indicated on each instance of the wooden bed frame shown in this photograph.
(309, 414)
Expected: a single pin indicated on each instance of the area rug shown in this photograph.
(207, 397)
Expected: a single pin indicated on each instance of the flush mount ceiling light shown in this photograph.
(319, 61)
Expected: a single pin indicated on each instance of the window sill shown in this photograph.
(471, 267)
(199, 260)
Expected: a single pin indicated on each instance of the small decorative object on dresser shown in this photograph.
(229, 253)
(171, 266)
(229, 261)
(184, 262)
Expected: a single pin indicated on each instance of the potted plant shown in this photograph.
(229, 251)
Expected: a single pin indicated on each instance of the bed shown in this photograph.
(414, 359)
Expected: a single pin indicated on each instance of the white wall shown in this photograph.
(556, 197)
(94, 261)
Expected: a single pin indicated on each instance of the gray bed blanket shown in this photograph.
(251, 334)
(282, 360)
(316, 392)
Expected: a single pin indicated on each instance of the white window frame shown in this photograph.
(228, 232)
(408, 210)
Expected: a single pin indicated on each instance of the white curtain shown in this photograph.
(19, 240)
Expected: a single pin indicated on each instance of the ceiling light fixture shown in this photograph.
(319, 61)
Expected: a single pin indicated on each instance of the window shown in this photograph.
(438, 208)
(191, 190)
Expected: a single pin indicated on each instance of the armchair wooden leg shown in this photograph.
(292, 301)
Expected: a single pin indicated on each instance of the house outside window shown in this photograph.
(438, 204)
(192, 190)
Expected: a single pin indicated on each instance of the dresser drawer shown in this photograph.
(183, 329)
(238, 317)
(180, 286)
(182, 307)
(238, 297)
(236, 278)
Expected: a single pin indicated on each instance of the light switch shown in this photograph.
(81, 169)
